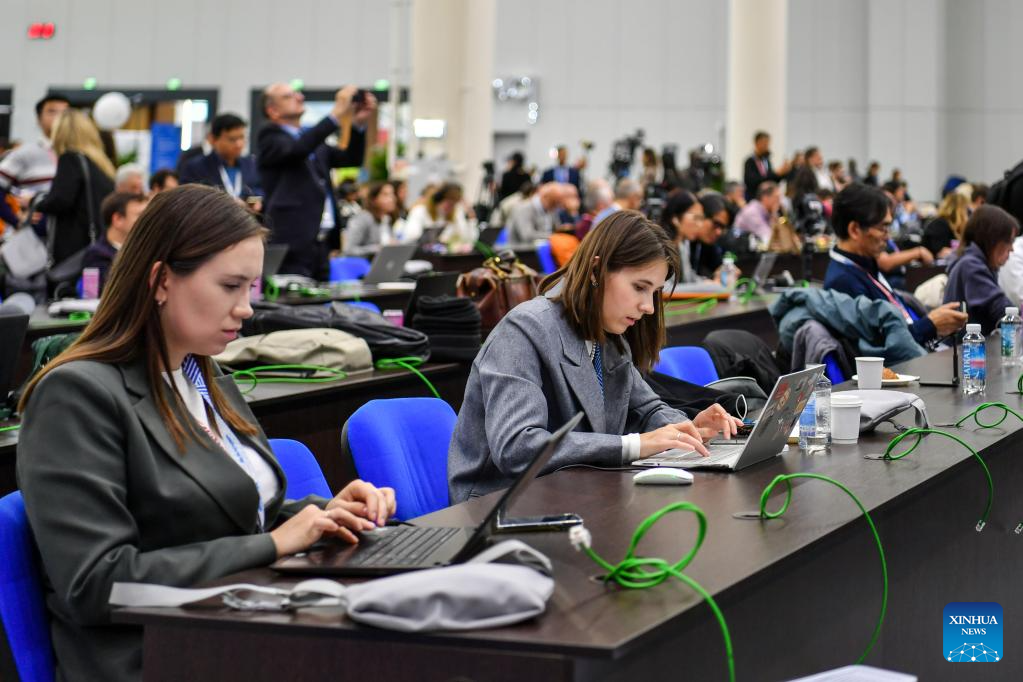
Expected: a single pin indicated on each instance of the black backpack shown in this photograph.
(999, 192)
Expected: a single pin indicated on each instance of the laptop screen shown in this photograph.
(12, 335)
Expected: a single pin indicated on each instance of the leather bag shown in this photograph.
(500, 284)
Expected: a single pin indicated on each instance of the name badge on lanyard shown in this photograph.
(233, 188)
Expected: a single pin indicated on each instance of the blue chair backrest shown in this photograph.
(546, 258)
(344, 268)
(368, 305)
(689, 363)
(832, 369)
(300, 466)
(502, 238)
(403, 443)
(22, 607)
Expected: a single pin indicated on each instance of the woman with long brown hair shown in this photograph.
(84, 176)
(578, 347)
(138, 460)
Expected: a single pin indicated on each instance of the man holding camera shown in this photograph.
(295, 163)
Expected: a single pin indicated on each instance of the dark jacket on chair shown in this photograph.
(296, 178)
(110, 498)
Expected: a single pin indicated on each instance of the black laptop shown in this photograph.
(489, 235)
(13, 327)
(396, 549)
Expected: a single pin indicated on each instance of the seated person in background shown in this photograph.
(893, 261)
(501, 215)
(628, 197)
(759, 215)
(227, 167)
(599, 196)
(973, 277)
(535, 219)
(442, 207)
(139, 461)
(568, 214)
(683, 220)
(735, 196)
(161, 180)
(904, 216)
(370, 229)
(978, 195)
(130, 179)
(860, 218)
(1010, 275)
(578, 347)
(708, 256)
(119, 212)
(947, 226)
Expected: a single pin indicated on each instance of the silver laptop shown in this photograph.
(767, 439)
(763, 270)
(389, 263)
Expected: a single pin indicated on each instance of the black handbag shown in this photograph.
(64, 275)
(385, 340)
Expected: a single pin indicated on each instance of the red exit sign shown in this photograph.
(41, 31)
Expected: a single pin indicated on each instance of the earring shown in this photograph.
(593, 281)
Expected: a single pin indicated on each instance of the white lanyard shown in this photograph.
(235, 188)
(229, 443)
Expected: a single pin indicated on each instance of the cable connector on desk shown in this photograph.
(1019, 529)
(580, 537)
(980, 525)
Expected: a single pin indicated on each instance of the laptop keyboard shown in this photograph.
(718, 453)
(399, 546)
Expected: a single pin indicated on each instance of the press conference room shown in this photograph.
(501, 340)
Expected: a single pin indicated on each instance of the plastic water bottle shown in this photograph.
(821, 439)
(728, 272)
(974, 360)
(1010, 327)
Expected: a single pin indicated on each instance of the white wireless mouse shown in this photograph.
(663, 476)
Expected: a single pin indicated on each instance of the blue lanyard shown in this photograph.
(230, 443)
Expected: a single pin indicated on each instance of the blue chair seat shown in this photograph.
(403, 443)
(688, 363)
(344, 268)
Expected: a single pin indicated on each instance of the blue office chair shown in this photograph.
(403, 443)
(502, 238)
(344, 268)
(368, 305)
(300, 466)
(688, 363)
(22, 608)
(832, 369)
(546, 258)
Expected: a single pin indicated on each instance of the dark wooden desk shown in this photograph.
(689, 328)
(801, 594)
(313, 413)
(40, 324)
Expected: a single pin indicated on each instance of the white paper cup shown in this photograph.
(845, 418)
(868, 372)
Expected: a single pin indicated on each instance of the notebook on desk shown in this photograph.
(767, 439)
(397, 549)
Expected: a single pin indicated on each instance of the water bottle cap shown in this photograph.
(973, 329)
(1011, 310)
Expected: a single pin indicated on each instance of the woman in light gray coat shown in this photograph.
(578, 347)
(370, 229)
(138, 461)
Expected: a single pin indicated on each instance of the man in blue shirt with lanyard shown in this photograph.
(226, 167)
(861, 217)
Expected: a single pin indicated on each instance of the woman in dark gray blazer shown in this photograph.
(138, 460)
(578, 347)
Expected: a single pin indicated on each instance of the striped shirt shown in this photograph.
(28, 169)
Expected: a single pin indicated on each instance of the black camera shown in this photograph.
(623, 152)
(359, 98)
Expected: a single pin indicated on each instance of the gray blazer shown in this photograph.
(362, 234)
(528, 221)
(532, 375)
(110, 498)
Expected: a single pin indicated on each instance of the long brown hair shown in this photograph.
(988, 227)
(180, 229)
(625, 239)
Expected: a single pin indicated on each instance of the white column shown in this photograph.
(452, 68)
(757, 79)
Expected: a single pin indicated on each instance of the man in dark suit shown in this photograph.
(758, 167)
(294, 164)
(562, 172)
(226, 167)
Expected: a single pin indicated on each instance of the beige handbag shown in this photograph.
(331, 348)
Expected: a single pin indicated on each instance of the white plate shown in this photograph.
(903, 380)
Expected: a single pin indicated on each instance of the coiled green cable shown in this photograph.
(638, 573)
(255, 375)
(409, 363)
(1006, 411)
(920, 433)
(698, 306)
(787, 480)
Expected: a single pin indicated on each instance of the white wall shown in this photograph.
(233, 45)
(607, 67)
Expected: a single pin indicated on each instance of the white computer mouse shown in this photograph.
(663, 476)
